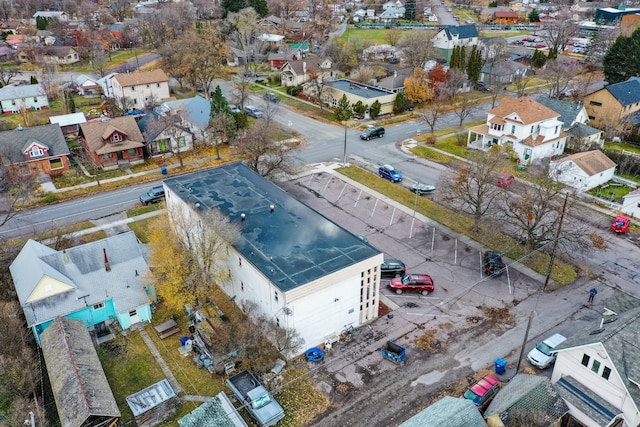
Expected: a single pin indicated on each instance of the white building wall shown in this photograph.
(30, 102)
(631, 205)
(142, 93)
(612, 390)
(575, 177)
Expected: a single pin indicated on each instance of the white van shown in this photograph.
(542, 355)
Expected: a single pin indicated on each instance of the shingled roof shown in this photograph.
(141, 78)
(79, 384)
(627, 92)
(217, 411)
(14, 142)
(447, 412)
(94, 132)
(591, 162)
(526, 110)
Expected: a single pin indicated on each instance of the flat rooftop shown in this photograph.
(359, 89)
(291, 246)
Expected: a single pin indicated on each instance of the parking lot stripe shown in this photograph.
(342, 191)
(392, 215)
(373, 211)
(328, 182)
(358, 198)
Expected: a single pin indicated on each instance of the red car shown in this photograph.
(412, 283)
(620, 224)
(482, 392)
(505, 180)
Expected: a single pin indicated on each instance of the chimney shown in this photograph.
(107, 267)
(304, 67)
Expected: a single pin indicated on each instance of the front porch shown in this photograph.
(478, 138)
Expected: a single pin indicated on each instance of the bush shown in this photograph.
(294, 90)
(430, 140)
(49, 197)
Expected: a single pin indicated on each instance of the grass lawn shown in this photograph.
(141, 228)
(562, 273)
(611, 191)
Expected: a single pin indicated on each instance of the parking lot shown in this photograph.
(454, 262)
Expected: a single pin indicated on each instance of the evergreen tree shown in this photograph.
(462, 62)
(343, 110)
(260, 6)
(622, 60)
(553, 53)
(374, 111)
(493, 3)
(534, 16)
(475, 64)
(410, 10)
(33, 80)
(455, 57)
(72, 103)
(219, 103)
(399, 104)
(359, 108)
(539, 59)
(41, 23)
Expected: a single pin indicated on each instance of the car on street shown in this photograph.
(392, 268)
(394, 60)
(493, 264)
(254, 112)
(620, 224)
(482, 87)
(271, 97)
(482, 392)
(235, 109)
(155, 195)
(422, 283)
(374, 132)
(390, 173)
(542, 356)
(505, 180)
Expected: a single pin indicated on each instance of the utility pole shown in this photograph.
(344, 157)
(555, 242)
(524, 341)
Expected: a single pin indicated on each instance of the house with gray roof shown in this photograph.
(164, 134)
(502, 72)
(299, 268)
(194, 114)
(80, 388)
(597, 371)
(35, 151)
(454, 35)
(448, 412)
(297, 72)
(99, 282)
(217, 411)
(574, 117)
(30, 97)
(527, 395)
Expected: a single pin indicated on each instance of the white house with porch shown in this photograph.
(534, 131)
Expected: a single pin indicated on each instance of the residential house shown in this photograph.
(447, 412)
(631, 204)
(517, 5)
(7, 54)
(164, 134)
(334, 90)
(87, 85)
(111, 143)
(69, 123)
(194, 114)
(139, 89)
(596, 370)
(50, 14)
(534, 131)
(506, 17)
(295, 73)
(79, 385)
(300, 269)
(35, 151)
(217, 411)
(502, 72)
(523, 395)
(237, 57)
(615, 105)
(271, 40)
(99, 283)
(574, 117)
(395, 82)
(277, 59)
(583, 171)
(60, 55)
(29, 97)
(451, 36)
(106, 83)
(392, 13)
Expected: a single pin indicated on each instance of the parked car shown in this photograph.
(394, 60)
(505, 180)
(390, 173)
(482, 392)
(271, 97)
(543, 356)
(422, 283)
(620, 224)
(253, 112)
(482, 87)
(155, 195)
(235, 109)
(392, 268)
(374, 132)
(493, 264)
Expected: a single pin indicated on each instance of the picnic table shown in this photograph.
(166, 329)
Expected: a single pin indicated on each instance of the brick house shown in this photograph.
(35, 151)
(111, 143)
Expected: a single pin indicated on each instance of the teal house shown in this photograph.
(100, 283)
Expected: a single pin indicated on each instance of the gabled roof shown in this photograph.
(53, 283)
(68, 119)
(462, 31)
(505, 14)
(273, 242)
(13, 142)
(93, 133)
(621, 341)
(627, 92)
(15, 92)
(141, 78)
(448, 412)
(580, 130)
(591, 162)
(311, 63)
(59, 51)
(503, 68)
(194, 110)
(217, 411)
(153, 124)
(526, 108)
(568, 110)
(79, 384)
(530, 394)
(83, 78)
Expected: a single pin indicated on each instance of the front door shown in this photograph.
(133, 317)
(120, 156)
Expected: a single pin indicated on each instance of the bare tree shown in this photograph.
(521, 83)
(558, 75)
(208, 53)
(363, 74)
(264, 155)
(99, 61)
(434, 111)
(222, 127)
(560, 31)
(393, 36)
(417, 47)
(464, 107)
(7, 74)
(317, 83)
(471, 187)
(19, 188)
(601, 43)
(47, 73)
(170, 127)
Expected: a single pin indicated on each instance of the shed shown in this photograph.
(69, 123)
(583, 171)
(217, 411)
(80, 388)
(447, 412)
(154, 404)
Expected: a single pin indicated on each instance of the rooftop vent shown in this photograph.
(242, 217)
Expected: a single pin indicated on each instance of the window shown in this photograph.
(116, 137)
(131, 151)
(157, 84)
(595, 103)
(240, 262)
(531, 129)
(98, 306)
(242, 286)
(585, 360)
(36, 151)
(182, 142)
(133, 88)
(606, 372)
(148, 86)
(107, 155)
(133, 313)
(513, 129)
(556, 131)
(55, 164)
(596, 366)
(35, 99)
(278, 321)
(135, 101)
(275, 296)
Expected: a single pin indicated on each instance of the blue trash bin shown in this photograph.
(163, 170)
(501, 366)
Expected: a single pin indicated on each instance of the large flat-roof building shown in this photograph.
(298, 267)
